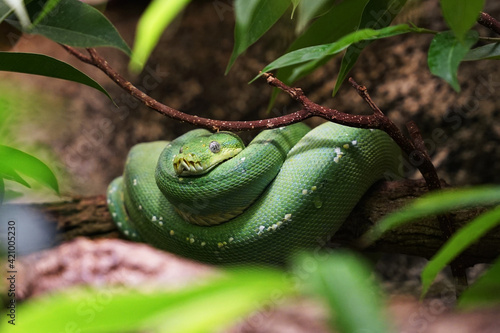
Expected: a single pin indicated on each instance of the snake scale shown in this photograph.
(205, 197)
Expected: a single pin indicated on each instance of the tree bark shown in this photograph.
(89, 217)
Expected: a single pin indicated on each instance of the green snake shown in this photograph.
(206, 197)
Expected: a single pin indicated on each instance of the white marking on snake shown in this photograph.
(230, 239)
(304, 192)
(354, 142)
(346, 146)
(288, 217)
(140, 207)
(336, 159)
(203, 244)
(160, 223)
(135, 182)
(314, 188)
(261, 230)
(114, 214)
(119, 224)
(243, 158)
(338, 151)
(172, 233)
(126, 232)
(153, 219)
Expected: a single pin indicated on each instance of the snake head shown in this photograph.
(201, 154)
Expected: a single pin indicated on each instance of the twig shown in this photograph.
(489, 22)
(80, 56)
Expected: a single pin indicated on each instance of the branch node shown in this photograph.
(363, 92)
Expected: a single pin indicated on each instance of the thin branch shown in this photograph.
(310, 109)
(363, 92)
(489, 22)
(80, 56)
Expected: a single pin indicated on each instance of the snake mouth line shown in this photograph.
(184, 167)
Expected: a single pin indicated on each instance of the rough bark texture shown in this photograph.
(89, 217)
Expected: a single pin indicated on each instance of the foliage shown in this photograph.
(341, 280)
(216, 302)
(325, 28)
(439, 202)
(346, 284)
(39, 64)
(14, 162)
(322, 25)
(485, 292)
(446, 53)
(150, 27)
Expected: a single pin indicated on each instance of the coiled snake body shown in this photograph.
(204, 197)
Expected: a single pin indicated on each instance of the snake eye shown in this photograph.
(214, 147)
(180, 151)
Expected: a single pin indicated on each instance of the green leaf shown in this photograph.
(13, 161)
(307, 10)
(376, 15)
(489, 51)
(319, 52)
(253, 19)
(485, 291)
(340, 20)
(461, 240)
(151, 25)
(197, 308)
(39, 64)
(74, 23)
(445, 54)
(7, 172)
(346, 284)
(461, 15)
(434, 203)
